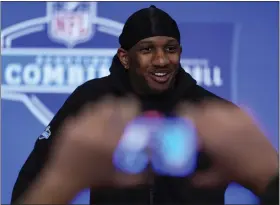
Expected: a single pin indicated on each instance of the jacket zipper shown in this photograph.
(151, 196)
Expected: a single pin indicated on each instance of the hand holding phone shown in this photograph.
(168, 144)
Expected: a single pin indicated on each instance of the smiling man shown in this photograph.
(147, 65)
(149, 73)
(150, 51)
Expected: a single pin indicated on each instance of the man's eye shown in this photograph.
(171, 48)
(146, 49)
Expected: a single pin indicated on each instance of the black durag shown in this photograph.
(147, 23)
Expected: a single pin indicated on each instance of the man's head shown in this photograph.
(150, 50)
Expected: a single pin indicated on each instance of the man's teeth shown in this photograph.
(160, 74)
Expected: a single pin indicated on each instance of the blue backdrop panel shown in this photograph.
(48, 49)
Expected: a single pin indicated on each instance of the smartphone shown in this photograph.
(174, 148)
(169, 145)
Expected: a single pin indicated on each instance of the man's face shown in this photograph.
(153, 63)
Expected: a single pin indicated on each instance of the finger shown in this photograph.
(191, 113)
(95, 116)
(123, 180)
(124, 111)
(104, 108)
(97, 108)
(127, 110)
(208, 179)
(186, 110)
(67, 128)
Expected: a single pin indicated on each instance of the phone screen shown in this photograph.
(168, 144)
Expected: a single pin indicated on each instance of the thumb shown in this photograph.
(210, 178)
(125, 180)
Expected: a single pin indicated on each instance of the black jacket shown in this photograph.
(166, 190)
(271, 194)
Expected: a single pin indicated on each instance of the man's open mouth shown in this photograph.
(161, 76)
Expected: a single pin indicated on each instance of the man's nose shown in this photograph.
(160, 58)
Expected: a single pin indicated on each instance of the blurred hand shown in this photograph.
(81, 156)
(237, 148)
(83, 153)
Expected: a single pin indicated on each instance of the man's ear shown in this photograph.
(181, 50)
(123, 56)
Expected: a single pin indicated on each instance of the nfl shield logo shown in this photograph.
(71, 23)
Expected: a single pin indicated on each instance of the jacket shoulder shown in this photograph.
(200, 94)
(98, 85)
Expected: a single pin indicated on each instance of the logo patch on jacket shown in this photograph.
(46, 134)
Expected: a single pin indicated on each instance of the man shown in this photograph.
(88, 141)
(147, 66)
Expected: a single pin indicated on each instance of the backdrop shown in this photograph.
(48, 49)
